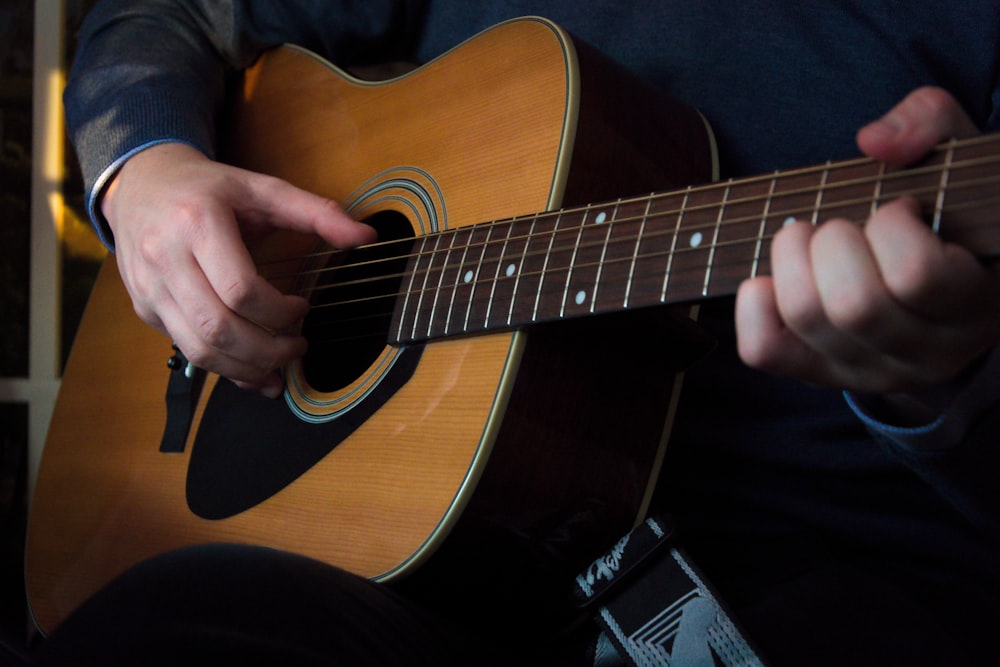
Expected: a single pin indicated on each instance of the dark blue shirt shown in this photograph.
(769, 481)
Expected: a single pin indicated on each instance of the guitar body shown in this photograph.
(460, 450)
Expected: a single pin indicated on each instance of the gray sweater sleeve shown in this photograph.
(149, 71)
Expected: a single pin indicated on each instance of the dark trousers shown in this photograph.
(229, 604)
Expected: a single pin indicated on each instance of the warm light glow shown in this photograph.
(76, 237)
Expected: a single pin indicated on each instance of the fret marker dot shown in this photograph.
(510, 270)
(789, 220)
(581, 296)
(468, 276)
(696, 239)
(601, 217)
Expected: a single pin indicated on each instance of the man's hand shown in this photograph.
(878, 309)
(181, 223)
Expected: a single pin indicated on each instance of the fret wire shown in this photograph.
(475, 283)
(413, 278)
(440, 286)
(877, 195)
(635, 251)
(989, 201)
(846, 203)
(715, 239)
(423, 290)
(819, 194)
(545, 266)
(458, 277)
(517, 280)
(945, 175)
(572, 260)
(409, 290)
(604, 253)
(763, 227)
(792, 212)
(877, 179)
(496, 277)
(673, 245)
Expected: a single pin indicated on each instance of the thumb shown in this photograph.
(923, 119)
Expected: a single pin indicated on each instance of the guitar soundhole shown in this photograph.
(352, 305)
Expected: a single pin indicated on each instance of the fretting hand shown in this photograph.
(884, 308)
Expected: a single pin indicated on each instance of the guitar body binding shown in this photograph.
(434, 458)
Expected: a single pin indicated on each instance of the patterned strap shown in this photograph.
(656, 610)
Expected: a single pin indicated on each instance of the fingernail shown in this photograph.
(887, 127)
(271, 391)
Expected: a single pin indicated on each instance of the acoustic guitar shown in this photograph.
(490, 384)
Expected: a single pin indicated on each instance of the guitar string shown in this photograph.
(909, 174)
(626, 240)
(621, 222)
(676, 280)
(686, 277)
(876, 178)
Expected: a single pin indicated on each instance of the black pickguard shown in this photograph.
(249, 447)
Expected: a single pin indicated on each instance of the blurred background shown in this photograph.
(48, 260)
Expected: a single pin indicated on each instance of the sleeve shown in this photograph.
(958, 406)
(958, 453)
(149, 71)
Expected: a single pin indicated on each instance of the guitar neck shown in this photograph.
(673, 247)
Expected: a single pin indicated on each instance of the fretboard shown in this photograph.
(673, 247)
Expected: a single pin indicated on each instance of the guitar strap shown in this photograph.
(655, 608)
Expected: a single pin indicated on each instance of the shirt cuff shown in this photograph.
(971, 399)
(97, 191)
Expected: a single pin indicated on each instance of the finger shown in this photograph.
(224, 260)
(796, 295)
(764, 342)
(922, 272)
(216, 338)
(237, 367)
(853, 295)
(819, 297)
(277, 203)
(924, 118)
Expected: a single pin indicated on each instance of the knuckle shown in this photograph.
(152, 251)
(331, 207)
(755, 353)
(933, 100)
(941, 110)
(198, 354)
(147, 315)
(238, 294)
(190, 215)
(761, 350)
(856, 313)
(215, 331)
(269, 188)
(910, 285)
(803, 316)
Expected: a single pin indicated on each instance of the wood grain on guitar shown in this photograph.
(510, 434)
(494, 371)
